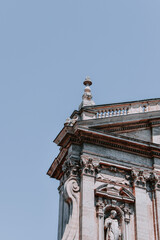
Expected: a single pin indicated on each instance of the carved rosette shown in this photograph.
(71, 196)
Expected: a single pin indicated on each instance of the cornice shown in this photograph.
(128, 127)
(57, 163)
(82, 135)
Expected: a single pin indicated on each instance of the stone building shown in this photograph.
(109, 171)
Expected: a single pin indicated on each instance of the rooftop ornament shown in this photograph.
(87, 96)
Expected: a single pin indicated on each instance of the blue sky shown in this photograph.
(47, 48)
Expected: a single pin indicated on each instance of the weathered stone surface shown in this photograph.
(109, 162)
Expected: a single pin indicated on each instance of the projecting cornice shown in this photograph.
(80, 135)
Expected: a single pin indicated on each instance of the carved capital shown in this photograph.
(144, 179)
(88, 167)
(139, 178)
(71, 167)
(153, 180)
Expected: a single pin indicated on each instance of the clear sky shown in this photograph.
(47, 48)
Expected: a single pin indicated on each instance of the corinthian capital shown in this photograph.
(88, 167)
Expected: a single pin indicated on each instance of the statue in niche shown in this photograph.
(111, 227)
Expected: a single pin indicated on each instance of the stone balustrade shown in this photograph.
(113, 110)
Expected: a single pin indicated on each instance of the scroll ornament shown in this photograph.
(71, 196)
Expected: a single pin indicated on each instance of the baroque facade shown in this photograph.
(109, 171)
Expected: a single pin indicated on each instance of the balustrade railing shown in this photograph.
(112, 111)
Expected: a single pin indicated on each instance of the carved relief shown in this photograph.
(71, 196)
(112, 175)
(113, 180)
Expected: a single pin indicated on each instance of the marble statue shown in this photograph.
(111, 226)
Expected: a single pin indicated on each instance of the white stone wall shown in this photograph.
(144, 215)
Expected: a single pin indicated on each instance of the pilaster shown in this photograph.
(144, 206)
(87, 206)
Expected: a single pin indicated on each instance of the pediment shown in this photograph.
(115, 192)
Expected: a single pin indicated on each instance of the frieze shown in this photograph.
(113, 180)
(112, 174)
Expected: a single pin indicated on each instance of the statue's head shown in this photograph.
(113, 214)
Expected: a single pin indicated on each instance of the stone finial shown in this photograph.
(87, 81)
(87, 96)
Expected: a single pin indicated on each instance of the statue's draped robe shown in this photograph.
(112, 229)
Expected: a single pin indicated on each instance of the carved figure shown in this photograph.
(111, 226)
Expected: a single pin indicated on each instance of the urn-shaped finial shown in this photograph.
(87, 96)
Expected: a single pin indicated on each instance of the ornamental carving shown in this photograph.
(144, 179)
(138, 178)
(71, 167)
(71, 196)
(153, 180)
(88, 167)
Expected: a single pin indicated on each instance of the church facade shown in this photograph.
(109, 171)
